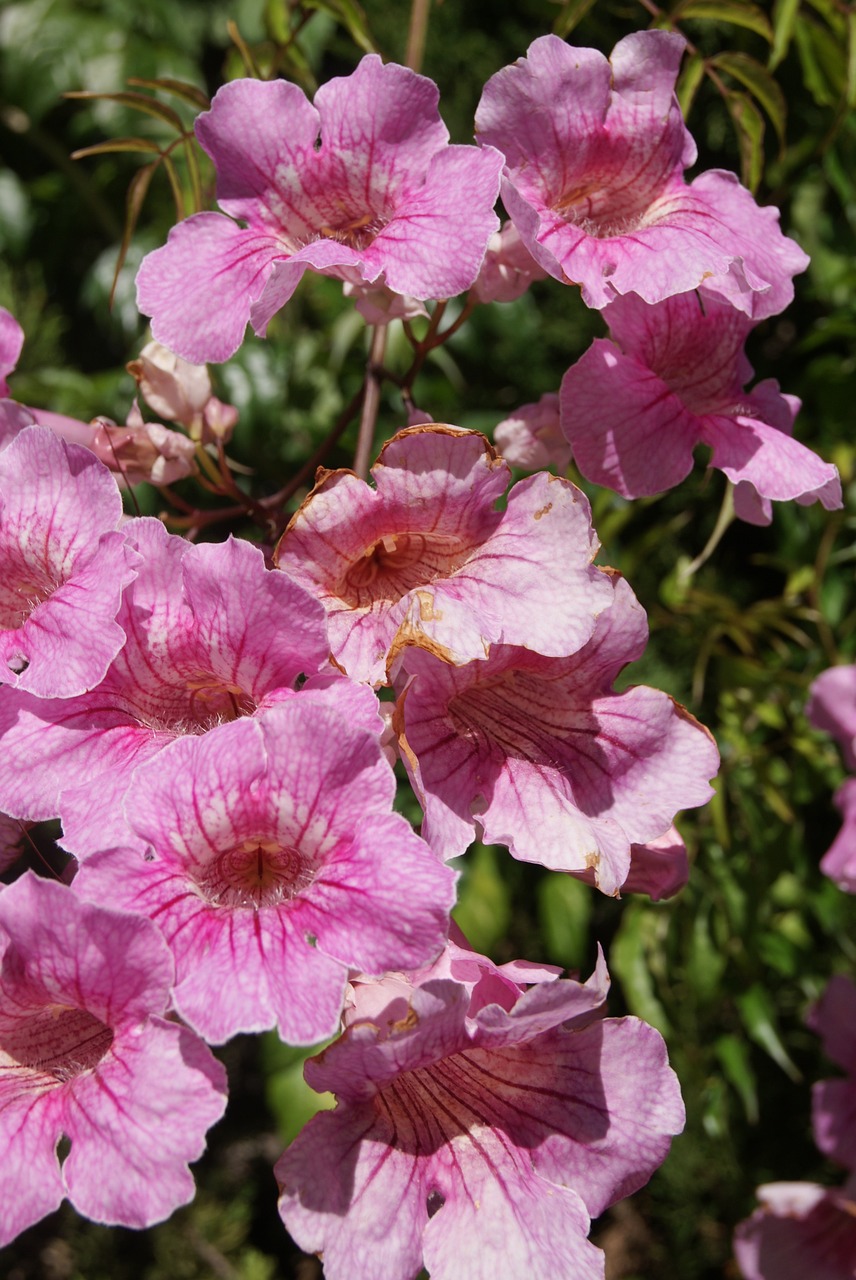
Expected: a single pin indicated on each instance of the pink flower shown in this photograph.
(531, 438)
(362, 185)
(508, 268)
(479, 1125)
(85, 1052)
(540, 754)
(801, 1232)
(11, 342)
(839, 861)
(595, 152)
(211, 635)
(63, 566)
(181, 392)
(137, 452)
(273, 864)
(425, 554)
(671, 377)
(832, 707)
(834, 1101)
(659, 868)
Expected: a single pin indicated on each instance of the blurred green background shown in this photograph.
(727, 970)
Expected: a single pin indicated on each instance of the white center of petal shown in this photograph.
(55, 1041)
(398, 563)
(259, 873)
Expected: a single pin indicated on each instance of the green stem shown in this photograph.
(723, 520)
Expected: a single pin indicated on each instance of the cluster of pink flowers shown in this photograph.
(205, 724)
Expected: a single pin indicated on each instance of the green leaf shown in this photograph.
(117, 144)
(179, 88)
(692, 74)
(759, 1018)
(137, 189)
(784, 17)
(573, 12)
(851, 59)
(484, 906)
(760, 84)
(749, 127)
(349, 14)
(737, 1069)
(137, 102)
(564, 909)
(738, 13)
(822, 62)
(628, 960)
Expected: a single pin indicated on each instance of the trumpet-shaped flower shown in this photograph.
(595, 152)
(540, 754)
(834, 1101)
(85, 1052)
(426, 554)
(531, 437)
(212, 635)
(479, 1125)
(11, 342)
(832, 707)
(273, 864)
(362, 185)
(801, 1230)
(672, 376)
(63, 566)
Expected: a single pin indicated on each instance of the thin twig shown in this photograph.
(371, 402)
(419, 11)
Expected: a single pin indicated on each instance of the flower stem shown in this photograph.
(371, 402)
(723, 520)
(419, 11)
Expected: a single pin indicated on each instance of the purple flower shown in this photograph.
(670, 377)
(479, 1125)
(832, 707)
(541, 754)
(63, 566)
(11, 342)
(273, 864)
(85, 1053)
(834, 1101)
(426, 554)
(595, 152)
(362, 185)
(801, 1232)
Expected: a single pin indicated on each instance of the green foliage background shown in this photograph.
(728, 969)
